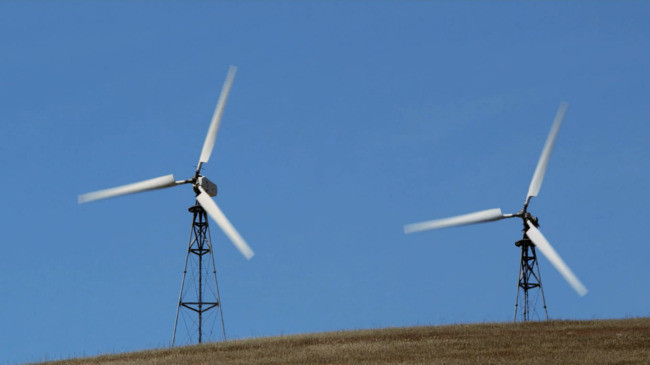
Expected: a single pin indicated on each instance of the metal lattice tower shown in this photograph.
(205, 295)
(529, 277)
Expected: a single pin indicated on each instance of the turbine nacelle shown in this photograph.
(207, 185)
(524, 215)
(531, 218)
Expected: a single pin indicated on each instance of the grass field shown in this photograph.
(556, 342)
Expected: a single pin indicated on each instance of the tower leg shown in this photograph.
(216, 285)
(514, 317)
(541, 289)
(180, 294)
(198, 295)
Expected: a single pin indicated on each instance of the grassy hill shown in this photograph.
(557, 342)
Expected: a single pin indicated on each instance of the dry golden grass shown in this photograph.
(556, 342)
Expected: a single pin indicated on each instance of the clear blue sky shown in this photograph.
(345, 122)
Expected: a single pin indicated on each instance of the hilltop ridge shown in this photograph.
(553, 342)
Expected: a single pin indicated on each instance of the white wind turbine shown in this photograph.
(200, 243)
(533, 238)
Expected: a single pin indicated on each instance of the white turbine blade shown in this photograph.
(477, 217)
(540, 242)
(151, 184)
(538, 176)
(213, 210)
(208, 145)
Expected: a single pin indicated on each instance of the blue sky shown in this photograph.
(345, 122)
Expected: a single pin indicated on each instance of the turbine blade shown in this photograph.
(151, 184)
(208, 145)
(213, 210)
(538, 176)
(540, 242)
(477, 217)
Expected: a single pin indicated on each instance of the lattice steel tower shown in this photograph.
(529, 277)
(201, 294)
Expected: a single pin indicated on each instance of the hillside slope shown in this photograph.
(556, 342)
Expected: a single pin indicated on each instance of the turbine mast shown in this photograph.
(200, 295)
(529, 277)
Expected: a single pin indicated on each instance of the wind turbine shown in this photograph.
(529, 278)
(204, 189)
